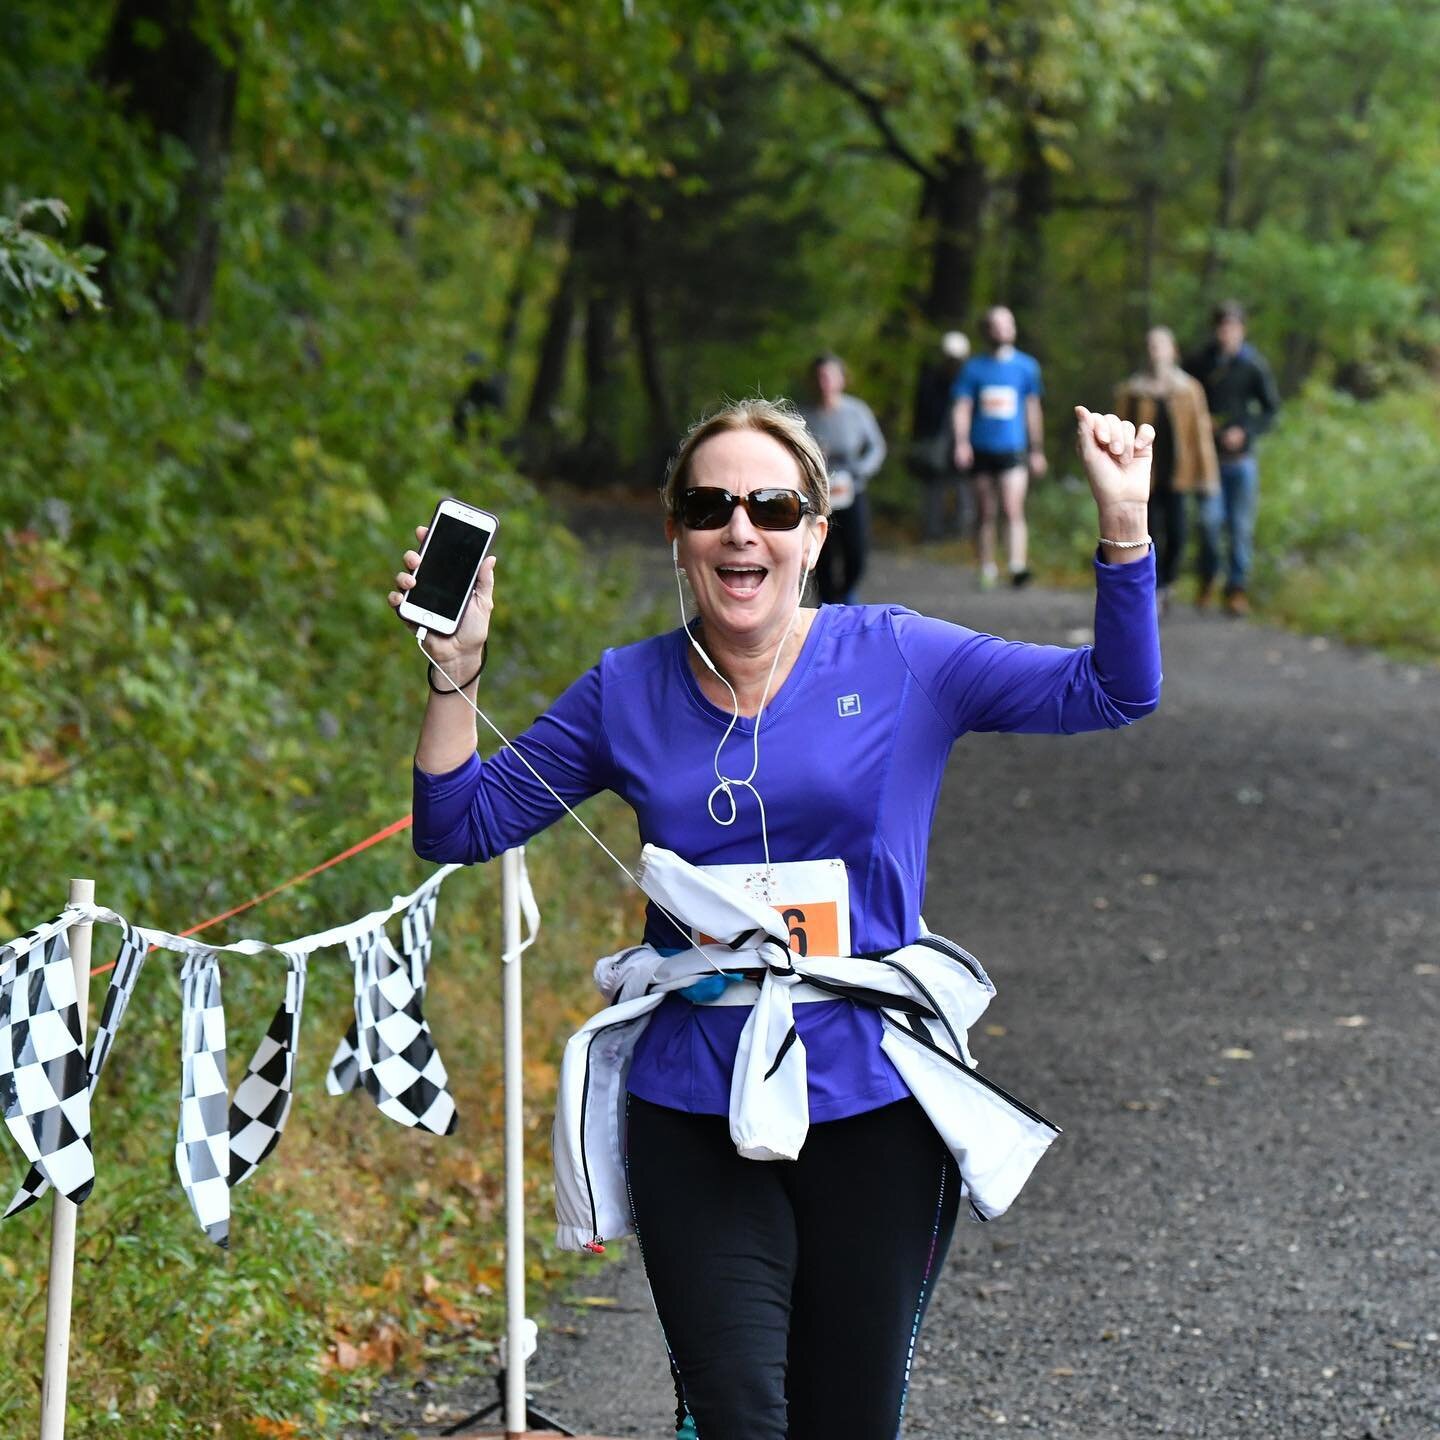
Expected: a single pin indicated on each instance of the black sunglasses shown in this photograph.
(708, 507)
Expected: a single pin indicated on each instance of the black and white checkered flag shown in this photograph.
(202, 1142)
(388, 1048)
(344, 1068)
(134, 946)
(417, 930)
(262, 1099)
(44, 1087)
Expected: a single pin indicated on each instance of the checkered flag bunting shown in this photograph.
(134, 946)
(417, 930)
(344, 1068)
(262, 1099)
(202, 1142)
(389, 1046)
(44, 1087)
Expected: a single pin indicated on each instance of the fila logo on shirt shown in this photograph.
(847, 705)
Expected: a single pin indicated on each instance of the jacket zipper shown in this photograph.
(597, 1242)
(954, 951)
(984, 1080)
(930, 1000)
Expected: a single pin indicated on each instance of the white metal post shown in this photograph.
(515, 1407)
(62, 1217)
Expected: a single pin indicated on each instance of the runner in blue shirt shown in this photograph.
(805, 740)
(1000, 437)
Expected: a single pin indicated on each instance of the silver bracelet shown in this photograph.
(1126, 544)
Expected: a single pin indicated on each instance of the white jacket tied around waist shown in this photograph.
(928, 995)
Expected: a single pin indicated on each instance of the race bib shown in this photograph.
(842, 490)
(999, 402)
(812, 896)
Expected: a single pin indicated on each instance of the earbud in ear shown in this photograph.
(675, 556)
(811, 557)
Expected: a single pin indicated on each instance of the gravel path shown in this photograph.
(1215, 941)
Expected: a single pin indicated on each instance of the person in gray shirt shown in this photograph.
(848, 434)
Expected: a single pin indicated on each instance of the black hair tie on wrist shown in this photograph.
(464, 685)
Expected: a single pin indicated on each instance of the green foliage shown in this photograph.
(36, 272)
(1349, 525)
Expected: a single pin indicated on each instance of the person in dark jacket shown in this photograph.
(931, 460)
(1243, 404)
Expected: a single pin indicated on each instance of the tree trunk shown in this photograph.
(1227, 182)
(554, 349)
(179, 79)
(598, 441)
(1034, 200)
(954, 199)
(647, 346)
(1144, 304)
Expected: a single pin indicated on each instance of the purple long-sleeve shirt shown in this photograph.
(852, 751)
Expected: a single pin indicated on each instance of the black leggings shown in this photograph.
(842, 559)
(791, 1292)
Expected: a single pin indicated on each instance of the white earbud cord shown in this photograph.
(420, 636)
(725, 782)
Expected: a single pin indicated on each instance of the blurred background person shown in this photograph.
(945, 505)
(849, 436)
(1000, 437)
(1183, 459)
(1243, 403)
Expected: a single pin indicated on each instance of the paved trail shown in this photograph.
(1215, 942)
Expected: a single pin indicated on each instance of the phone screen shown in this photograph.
(447, 569)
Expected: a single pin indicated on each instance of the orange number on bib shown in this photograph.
(814, 929)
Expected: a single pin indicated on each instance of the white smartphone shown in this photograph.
(457, 541)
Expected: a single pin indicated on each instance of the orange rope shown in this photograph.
(394, 828)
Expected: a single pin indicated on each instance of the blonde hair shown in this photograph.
(778, 419)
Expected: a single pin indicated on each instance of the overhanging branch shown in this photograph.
(872, 106)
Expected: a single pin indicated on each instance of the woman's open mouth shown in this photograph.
(741, 581)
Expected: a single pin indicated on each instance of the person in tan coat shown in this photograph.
(1185, 463)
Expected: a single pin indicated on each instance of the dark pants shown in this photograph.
(949, 501)
(842, 560)
(1167, 530)
(791, 1292)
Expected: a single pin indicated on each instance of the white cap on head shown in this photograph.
(955, 344)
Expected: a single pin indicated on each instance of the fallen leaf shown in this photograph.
(1402, 1344)
(990, 1288)
(1099, 903)
(1063, 1372)
(595, 1301)
(1142, 1104)
(1351, 1022)
(1237, 1052)
(995, 1032)
(1294, 1035)
(1149, 879)
(1426, 969)
(346, 1356)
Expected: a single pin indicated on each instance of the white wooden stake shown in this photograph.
(62, 1217)
(515, 1407)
